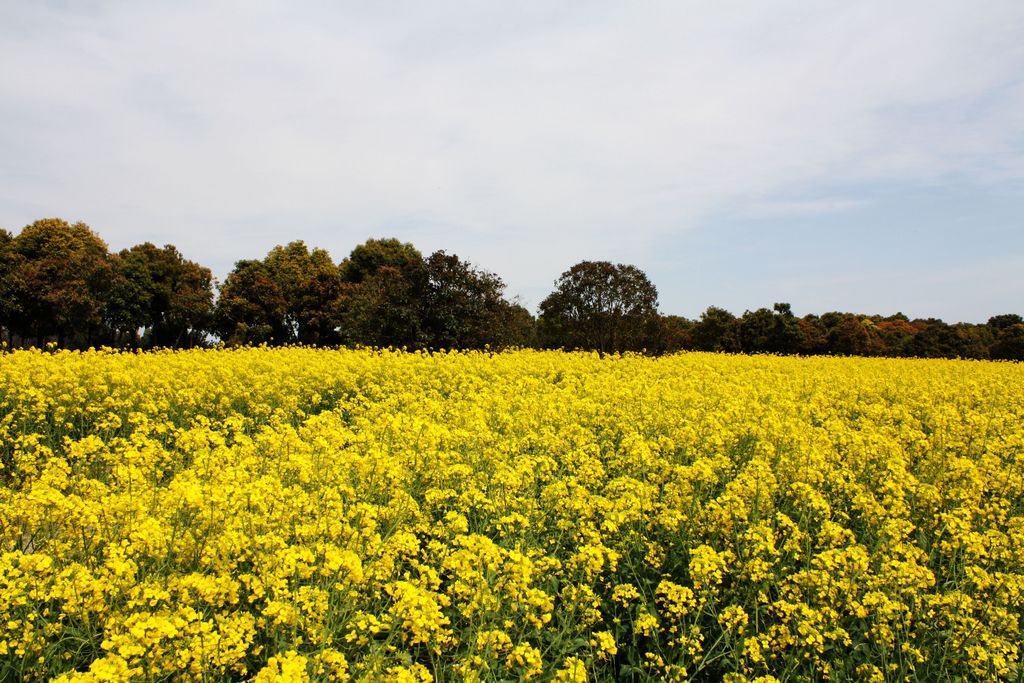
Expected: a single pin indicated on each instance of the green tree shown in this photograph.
(393, 296)
(463, 306)
(672, 333)
(998, 323)
(10, 304)
(129, 298)
(1009, 344)
(934, 339)
(158, 293)
(772, 331)
(855, 336)
(189, 317)
(515, 327)
(717, 330)
(813, 334)
(600, 306)
(63, 272)
(788, 336)
(368, 258)
(310, 283)
(973, 341)
(290, 296)
(384, 283)
(757, 331)
(251, 306)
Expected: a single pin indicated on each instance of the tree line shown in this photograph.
(60, 284)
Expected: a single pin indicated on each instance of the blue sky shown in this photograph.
(839, 156)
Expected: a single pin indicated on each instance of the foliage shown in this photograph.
(368, 258)
(60, 286)
(600, 306)
(717, 330)
(384, 284)
(998, 323)
(158, 291)
(310, 283)
(935, 339)
(251, 307)
(1009, 344)
(290, 296)
(515, 326)
(300, 514)
(392, 296)
(672, 333)
(59, 277)
(896, 333)
(771, 331)
(10, 288)
(855, 336)
(463, 306)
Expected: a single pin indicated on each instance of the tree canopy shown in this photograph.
(394, 296)
(60, 275)
(601, 306)
(290, 296)
(60, 284)
(158, 298)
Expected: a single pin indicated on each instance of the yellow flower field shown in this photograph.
(297, 514)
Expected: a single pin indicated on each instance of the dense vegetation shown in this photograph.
(59, 284)
(300, 514)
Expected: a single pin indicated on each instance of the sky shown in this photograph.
(863, 156)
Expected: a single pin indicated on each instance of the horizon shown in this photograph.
(536, 312)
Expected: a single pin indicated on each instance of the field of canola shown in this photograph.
(295, 514)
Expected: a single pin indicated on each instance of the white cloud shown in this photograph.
(522, 136)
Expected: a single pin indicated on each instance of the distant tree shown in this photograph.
(159, 293)
(189, 318)
(855, 336)
(998, 323)
(310, 284)
(462, 306)
(384, 284)
(392, 296)
(813, 334)
(897, 333)
(717, 330)
(291, 296)
(672, 333)
(367, 259)
(757, 331)
(934, 339)
(600, 306)
(251, 307)
(772, 331)
(1007, 332)
(973, 341)
(788, 336)
(129, 300)
(832, 319)
(1009, 344)
(62, 275)
(10, 303)
(384, 310)
(516, 326)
